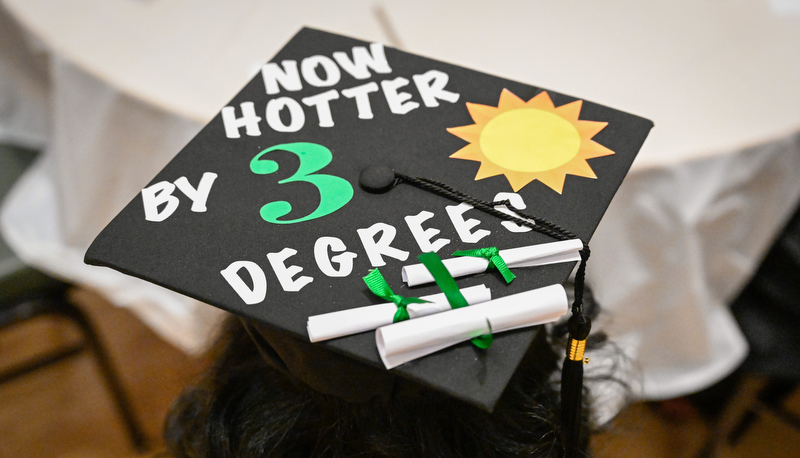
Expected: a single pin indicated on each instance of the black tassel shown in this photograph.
(572, 371)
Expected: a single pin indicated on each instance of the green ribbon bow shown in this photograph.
(377, 284)
(448, 285)
(495, 260)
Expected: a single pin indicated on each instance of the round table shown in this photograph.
(132, 81)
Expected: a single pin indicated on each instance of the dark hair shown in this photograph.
(243, 407)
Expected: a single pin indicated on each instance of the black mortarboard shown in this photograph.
(303, 184)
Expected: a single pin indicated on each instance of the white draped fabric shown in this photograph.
(125, 91)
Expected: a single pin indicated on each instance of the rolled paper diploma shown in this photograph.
(527, 256)
(401, 342)
(361, 319)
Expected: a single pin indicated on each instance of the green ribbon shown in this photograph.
(448, 285)
(377, 284)
(495, 260)
(483, 342)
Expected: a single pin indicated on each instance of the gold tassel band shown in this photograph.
(576, 349)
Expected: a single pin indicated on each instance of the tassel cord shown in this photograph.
(540, 225)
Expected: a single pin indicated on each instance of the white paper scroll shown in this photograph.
(361, 319)
(402, 342)
(527, 256)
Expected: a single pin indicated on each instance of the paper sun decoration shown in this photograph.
(531, 140)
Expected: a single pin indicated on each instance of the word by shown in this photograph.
(160, 194)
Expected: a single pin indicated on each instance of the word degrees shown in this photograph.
(376, 242)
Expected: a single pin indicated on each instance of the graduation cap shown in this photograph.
(343, 158)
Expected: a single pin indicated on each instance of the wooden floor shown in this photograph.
(64, 411)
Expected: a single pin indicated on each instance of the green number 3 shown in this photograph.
(334, 192)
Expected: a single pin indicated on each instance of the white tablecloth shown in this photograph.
(674, 249)
(104, 145)
(680, 239)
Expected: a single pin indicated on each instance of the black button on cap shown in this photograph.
(376, 179)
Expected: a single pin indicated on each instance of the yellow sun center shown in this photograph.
(529, 140)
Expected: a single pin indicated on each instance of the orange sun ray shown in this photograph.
(553, 179)
(487, 169)
(470, 133)
(541, 101)
(529, 141)
(582, 169)
(509, 101)
(570, 111)
(591, 148)
(517, 181)
(481, 113)
(589, 129)
(470, 152)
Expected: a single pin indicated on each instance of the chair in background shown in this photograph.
(768, 312)
(26, 293)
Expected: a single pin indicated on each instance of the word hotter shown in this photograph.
(285, 114)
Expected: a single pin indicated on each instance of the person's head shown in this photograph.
(245, 406)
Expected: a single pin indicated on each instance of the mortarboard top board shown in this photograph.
(270, 189)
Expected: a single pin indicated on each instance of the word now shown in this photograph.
(334, 260)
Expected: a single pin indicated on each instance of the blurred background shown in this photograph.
(696, 263)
